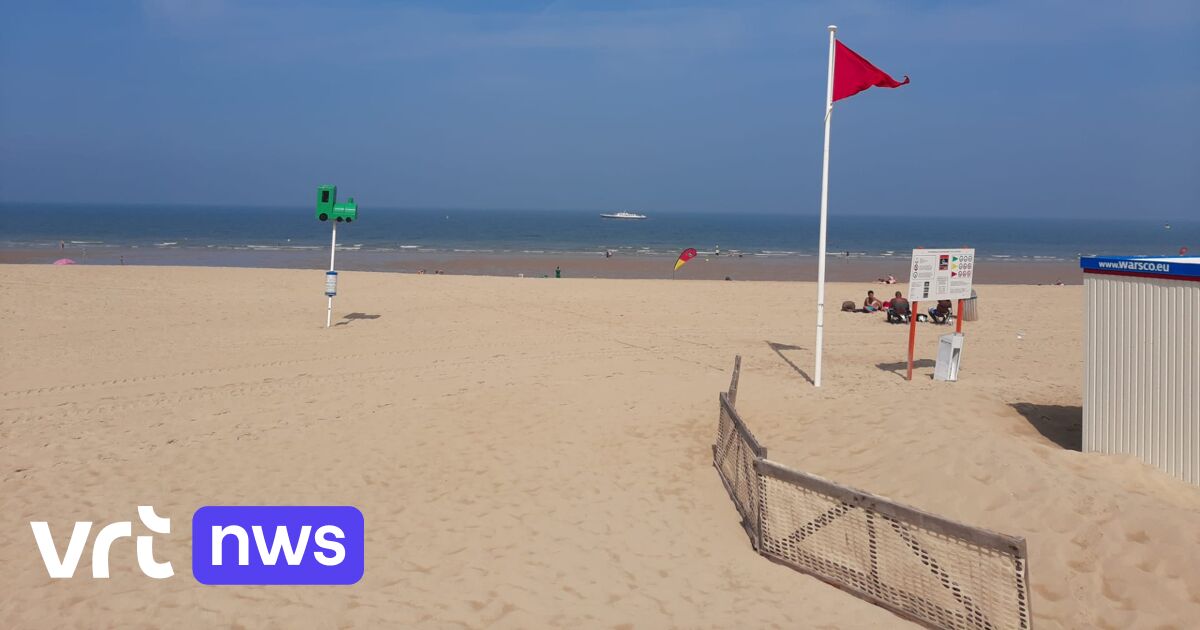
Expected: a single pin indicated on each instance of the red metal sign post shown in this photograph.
(912, 335)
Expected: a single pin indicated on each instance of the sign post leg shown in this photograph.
(332, 253)
(958, 318)
(912, 335)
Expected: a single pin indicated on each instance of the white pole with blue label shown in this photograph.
(331, 277)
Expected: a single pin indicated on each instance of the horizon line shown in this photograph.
(394, 208)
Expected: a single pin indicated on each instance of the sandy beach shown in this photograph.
(533, 452)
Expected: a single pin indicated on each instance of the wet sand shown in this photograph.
(840, 268)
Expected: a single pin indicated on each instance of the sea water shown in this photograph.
(261, 231)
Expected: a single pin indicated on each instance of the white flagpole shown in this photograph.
(824, 213)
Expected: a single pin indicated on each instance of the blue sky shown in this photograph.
(1062, 108)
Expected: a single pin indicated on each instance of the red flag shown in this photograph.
(684, 256)
(853, 74)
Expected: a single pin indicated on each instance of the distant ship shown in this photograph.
(623, 215)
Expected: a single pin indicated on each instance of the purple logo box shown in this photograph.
(314, 544)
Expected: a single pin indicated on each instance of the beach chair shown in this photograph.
(899, 314)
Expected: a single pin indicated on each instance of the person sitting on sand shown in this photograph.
(872, 303)
(941, 313)
(899, 312)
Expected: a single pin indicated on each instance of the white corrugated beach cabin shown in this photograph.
(1141, 392)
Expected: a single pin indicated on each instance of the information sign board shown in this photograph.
(941, 274)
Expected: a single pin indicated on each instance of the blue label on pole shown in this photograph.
(330, 283)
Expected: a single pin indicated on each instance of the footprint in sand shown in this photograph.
(984, 478)
(1138, 536)
(1047, 593)
(1109, 589)
(1083, 565)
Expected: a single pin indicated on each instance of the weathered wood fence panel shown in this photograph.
(924, 567)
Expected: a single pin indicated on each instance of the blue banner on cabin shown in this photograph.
(1180, 267)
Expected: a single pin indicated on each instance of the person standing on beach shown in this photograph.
(62, 245)
(557, 271)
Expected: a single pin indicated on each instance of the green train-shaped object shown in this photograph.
(328, 207)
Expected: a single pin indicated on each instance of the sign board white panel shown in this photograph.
(941, 274)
